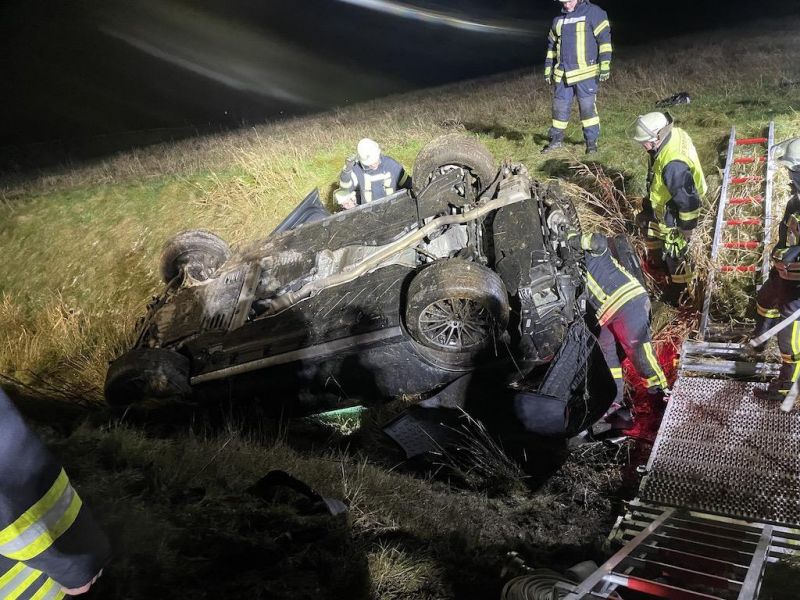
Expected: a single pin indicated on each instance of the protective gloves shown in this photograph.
(675, 244)
(350, 162)
(604, 76)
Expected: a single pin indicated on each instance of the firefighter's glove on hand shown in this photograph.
(350, 162)
(675, 244)
(604, 76)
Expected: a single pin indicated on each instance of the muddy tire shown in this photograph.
(197, 252)
(148, 375)
(454, 151)
(456, 310)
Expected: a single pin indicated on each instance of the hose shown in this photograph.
(538, 584)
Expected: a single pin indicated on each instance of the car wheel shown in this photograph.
(456, 308)
(148, 375)
(196, 252)
(454, 151)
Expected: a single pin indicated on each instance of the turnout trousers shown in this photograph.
(629, 330)
(586, 92)
(777, 299)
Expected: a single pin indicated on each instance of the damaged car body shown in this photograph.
(469, 272)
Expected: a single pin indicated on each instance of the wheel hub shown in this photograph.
(455, 324)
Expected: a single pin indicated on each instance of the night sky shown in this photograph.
(81, 76)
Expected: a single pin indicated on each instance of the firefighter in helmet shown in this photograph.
(675, 187)
(779, 297)
(578, 59)
(369, 175)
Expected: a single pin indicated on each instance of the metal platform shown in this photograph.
(723, 451)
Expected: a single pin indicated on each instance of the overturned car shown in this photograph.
(469, 272)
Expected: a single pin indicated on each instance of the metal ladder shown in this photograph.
(687, 555)
(740, 212)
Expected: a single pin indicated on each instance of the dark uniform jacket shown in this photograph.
(372, 184)
(579, 44)
(610, 285)
(48, 539)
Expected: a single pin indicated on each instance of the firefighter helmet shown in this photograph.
(369, 153)
(787, 153)
(647, 127)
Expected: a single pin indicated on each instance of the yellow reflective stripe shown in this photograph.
(660, 378)
(403, 179)
(613, 307)
(559, 23)
(11, 574)
(689, 215)
(22, 587)
(795, 340)
(795, 373)
(551, 54)
(595, 288)
(600, 27)
(605, 65)
(602, 48)
(37, 511)
(616, 372)
(577, 78)
(559, 72)
(580, 43)
(46, 591)
(560, 124)
(548, 69)
(551, 37)
(585, 70)
(615, 296)
(769, 313)
(590, 121)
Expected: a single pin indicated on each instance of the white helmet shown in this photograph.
(787, 153)
(647, 127)
(369, 153)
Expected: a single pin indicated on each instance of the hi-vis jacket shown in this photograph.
(48, 539)
(372, 184)
(675, 185)
(579, 44)
(610, 285)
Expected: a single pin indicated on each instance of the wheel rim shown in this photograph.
(455, 324)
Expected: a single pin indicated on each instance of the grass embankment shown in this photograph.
(80, 251)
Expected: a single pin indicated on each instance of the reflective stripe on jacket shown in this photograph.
(579, 44)
(373, 184)
(610, 285)
(48, 539)
(677, 147)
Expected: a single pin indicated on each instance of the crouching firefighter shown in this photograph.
(622, 308)
(779, 297)
(369, 175)
(675, 186)
(50, 546)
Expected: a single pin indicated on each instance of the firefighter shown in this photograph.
(49, 543)
(779, 297)
(622, 308)
(578, 58)
(369, 175)
(675, 187)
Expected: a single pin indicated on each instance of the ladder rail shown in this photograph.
(768, 216)
(723, 201)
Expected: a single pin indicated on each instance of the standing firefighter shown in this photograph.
(49, 544)
(369, 176)
(578, 57)
(779, 297)
(622, 308)
(675, 186)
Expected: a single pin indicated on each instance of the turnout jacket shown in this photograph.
(48, 539)
(579, 44)
(675, 184)
(372, 184)
(610, 285)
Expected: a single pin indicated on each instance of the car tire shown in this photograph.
(454, 150)
(455, 310)
(148, 375)
(196, 252)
